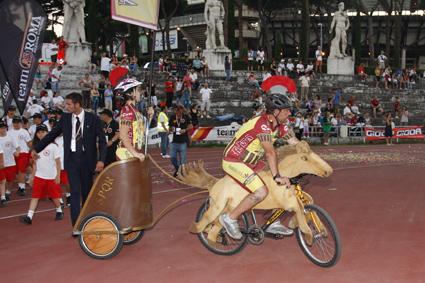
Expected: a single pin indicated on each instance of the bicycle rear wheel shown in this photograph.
(224, 244)
(325, 249)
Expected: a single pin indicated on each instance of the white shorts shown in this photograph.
(205, 105)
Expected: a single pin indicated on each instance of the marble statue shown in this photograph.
(341, 24)
(73, 25)
(214, 17)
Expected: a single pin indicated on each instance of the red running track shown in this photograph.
(375, 201)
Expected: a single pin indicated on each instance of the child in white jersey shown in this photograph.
(45, 177)
(23, 138)
(8, 173)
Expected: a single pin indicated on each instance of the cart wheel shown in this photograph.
(104, 244)
(133, 237)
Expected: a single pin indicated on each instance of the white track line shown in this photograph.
(17, 215)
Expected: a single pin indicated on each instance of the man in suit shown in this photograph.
(83, 137)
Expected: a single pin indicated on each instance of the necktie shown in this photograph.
(78, 134)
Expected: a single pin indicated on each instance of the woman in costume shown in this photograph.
(133, 125)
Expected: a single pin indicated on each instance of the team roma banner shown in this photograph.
(22, 26)
(223, 133)
(142, 13)
(407, 132)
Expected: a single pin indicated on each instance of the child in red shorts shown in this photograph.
(23, 138)
(10, 150)
(45, 177)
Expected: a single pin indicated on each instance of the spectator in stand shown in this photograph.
(300, 68)
(167, 64)
(205, 68)
(378, 75)
(112, 135)
(194, 77)
(124, 61)
(367, 120)
(133, 64)
(281, 67)
(86, 84)
(48, 79)
(114, 62)
(57, 101)
(310, 69)
(299, 126)
(305, 86)
(317, 103)
(319, 59)
(35, 108)
(163, 130)
(46, 100)
(38, 79)
(404, 79)
(376, 107)
(252, 80)
(329, 105)
(354, 108)
(56, 77)
(101, 86)
(179, 91)
(108, 94)
(197, 65)
(161, 64)
(273, 68)
(397, 107)
(95, 96)
(206, 100)
(186, 90)
(404, 120)
(180, 124)
(387, 77)
(336, 99)
(347, 110)
(194, 114)
(250, 60)
(413, 76)
(290, 68)
(169, 91)
(382, 59)
(361, 72)
(228, 67)
(260, 59)
(389, 125)
(105, 65)
(93, 63)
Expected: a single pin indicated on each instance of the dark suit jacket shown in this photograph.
(92, 135)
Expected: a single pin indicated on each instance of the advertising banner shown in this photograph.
(159, 45)
(142, 13)
(22, 26)
(407, 132)
(223, 133)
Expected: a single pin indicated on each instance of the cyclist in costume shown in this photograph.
(133, 125)
(253, 141)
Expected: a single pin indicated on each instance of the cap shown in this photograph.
(37, 115)
(16, 119)
(106, 112)
(11, 108)
(41, 127)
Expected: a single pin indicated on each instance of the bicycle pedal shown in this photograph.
(276, 236)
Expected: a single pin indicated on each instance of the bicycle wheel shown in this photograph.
(133, 237)
(224, 245)
(325, 249)
(104, 244)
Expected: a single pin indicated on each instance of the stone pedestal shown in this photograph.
(215, 58)
(78, 54)
(340, 66)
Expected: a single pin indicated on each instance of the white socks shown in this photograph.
(8, 192)
(67, 194)
(59, 209)
(3, 197)
(30, 213)
(21, 186)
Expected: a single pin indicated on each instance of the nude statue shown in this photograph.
(214, 17)
(341, 24)
(73, 25)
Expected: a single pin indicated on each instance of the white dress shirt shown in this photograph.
(74, 133)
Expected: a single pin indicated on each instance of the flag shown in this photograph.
(142, 13)
(22, 26)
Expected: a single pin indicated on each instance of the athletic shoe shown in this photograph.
(21, 192)
(277, 228)
(7, 196)
(68, 201)
(59, 216)
(25, 219)
(231, 226)
(3, 202)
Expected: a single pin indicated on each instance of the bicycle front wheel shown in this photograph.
(325, 249)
